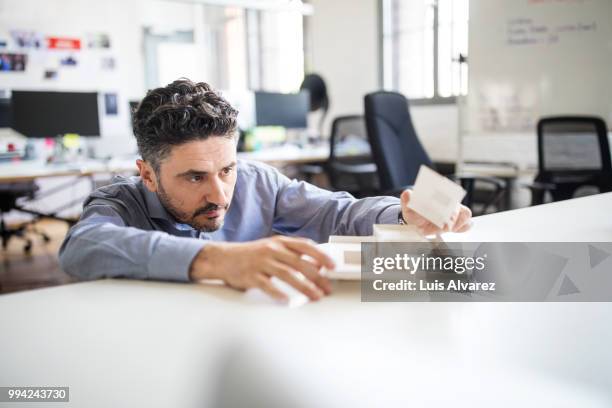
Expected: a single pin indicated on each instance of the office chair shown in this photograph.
(573, 152)
(9, 194)
(398, 153)
(350, 166)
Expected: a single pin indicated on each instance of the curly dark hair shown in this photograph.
(178, 113)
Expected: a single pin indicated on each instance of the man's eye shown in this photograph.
(195, 179)
(227, 171)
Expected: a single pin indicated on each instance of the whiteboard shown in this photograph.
(534, 58)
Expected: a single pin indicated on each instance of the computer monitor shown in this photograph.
(49, 114)
(5, 113)
(277, 109)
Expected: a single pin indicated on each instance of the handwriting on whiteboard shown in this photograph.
(525, 31)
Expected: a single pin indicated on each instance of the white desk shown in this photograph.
(587, 219)
(288, 154)
(30, 170)
(128, 343)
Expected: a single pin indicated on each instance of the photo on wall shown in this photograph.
(27, 39)
(98, 40)
(110, 104)
(10, 62)
(50, 74)
(69, 61)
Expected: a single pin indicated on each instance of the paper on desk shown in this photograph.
(435, 197)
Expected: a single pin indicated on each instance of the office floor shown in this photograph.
(20, 271)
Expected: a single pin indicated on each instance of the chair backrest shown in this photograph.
(349, 137)
(572, 145)
(396, 149)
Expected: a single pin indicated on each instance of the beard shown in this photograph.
(210, 225)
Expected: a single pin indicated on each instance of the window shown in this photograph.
(255, 49)
(232, 48)
(282, 51)
(424, 48)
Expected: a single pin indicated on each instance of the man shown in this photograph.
(196, 212)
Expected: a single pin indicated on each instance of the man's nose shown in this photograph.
(216, 194)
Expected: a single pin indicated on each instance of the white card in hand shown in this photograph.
(435, 197)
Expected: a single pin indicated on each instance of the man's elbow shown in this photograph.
(71, 260)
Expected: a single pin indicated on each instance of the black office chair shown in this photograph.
(398, 153)
(9, 194)
(573, 152)
(350, 166)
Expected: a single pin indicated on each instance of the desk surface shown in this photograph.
(29, 170)
(585, 219)
(130, 343)
(288, 154)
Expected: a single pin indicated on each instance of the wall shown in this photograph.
(344, 41)
(123, 21)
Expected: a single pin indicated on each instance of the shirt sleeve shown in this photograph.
(101, 245)
(308, 211)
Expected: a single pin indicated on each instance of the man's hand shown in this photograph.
(252, 264)
(461, 220)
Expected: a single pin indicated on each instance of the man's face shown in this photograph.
(196, 182)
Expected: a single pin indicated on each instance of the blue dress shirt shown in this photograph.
(124, 231)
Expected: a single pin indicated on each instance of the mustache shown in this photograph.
(210, 207)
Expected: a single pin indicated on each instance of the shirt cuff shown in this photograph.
(390, 215)
(172, 258)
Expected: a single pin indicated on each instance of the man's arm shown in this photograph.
(101, 245)
(308, 211)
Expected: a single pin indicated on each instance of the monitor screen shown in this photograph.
(49, 114)
(5, 113)
(277, 109)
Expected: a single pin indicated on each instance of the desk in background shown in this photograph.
(61, 196)
(130, 343)
(281, 156)
(276, 156)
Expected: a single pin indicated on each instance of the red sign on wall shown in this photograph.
(59, 43)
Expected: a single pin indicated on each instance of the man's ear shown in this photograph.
(147, 174)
